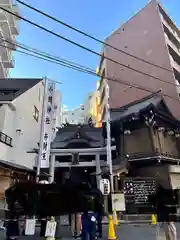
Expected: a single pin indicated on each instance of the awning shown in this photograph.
(15, 167)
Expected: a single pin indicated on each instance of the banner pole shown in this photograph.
(41, 131)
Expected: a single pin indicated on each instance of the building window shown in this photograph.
(5, 139)
(36, 114)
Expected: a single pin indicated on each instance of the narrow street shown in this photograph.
(135, 232)
(123, 231)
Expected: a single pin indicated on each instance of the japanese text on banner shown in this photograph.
(56, 101)
(48, 123)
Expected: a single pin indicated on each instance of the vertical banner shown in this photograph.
(55, 113)
(47, 125)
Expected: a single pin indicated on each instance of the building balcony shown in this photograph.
(175, 65)
(11, 19)
(15, 28)
(7, 73)
(172, 45)
(5, 139)
(170, 29)
(6, 3)
(6, 29)
(4, 52)
(178, 90)
(2, 70)
(13, 24)
(9, 62)
(10, 5)
(15, 9)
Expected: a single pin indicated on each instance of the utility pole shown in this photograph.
(108, 131)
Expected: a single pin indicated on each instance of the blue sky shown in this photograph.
(98, 18)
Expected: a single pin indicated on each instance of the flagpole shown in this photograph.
(41, 131)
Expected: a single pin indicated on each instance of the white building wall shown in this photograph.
(22, 119)
(2, 116)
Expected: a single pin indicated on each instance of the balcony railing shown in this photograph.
(10, 62)
(172, 45)
(2, 69)
(147, 156)
(175, 65)
(170, 29)
(5, 139)
(16, 10)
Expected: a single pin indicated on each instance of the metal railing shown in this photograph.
(139, 155)
(173, 32)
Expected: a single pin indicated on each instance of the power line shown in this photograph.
(47, 55)
(90, 36)
(35, 50)
(83, 69)
(46, 59)
(83, 47)
(79, 69)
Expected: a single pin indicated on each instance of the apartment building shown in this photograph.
(73, 116)
(9, 29)
(149, 35)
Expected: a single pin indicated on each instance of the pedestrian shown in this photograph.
(99, 208)
(13, 231)
(70, 221)
(43, 179)
(89, 220)
(99, 215)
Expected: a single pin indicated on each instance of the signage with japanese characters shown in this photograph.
(48, 125)
(55, 108)
(137, 192)
(30, 227)
(50, 229)
(105, 186)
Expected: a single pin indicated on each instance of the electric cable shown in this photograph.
(83, 47)
(90, 36)
(84, 70)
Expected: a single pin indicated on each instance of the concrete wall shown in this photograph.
(141, 36)
(22, 118)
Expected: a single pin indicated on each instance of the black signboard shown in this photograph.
(137, 192)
